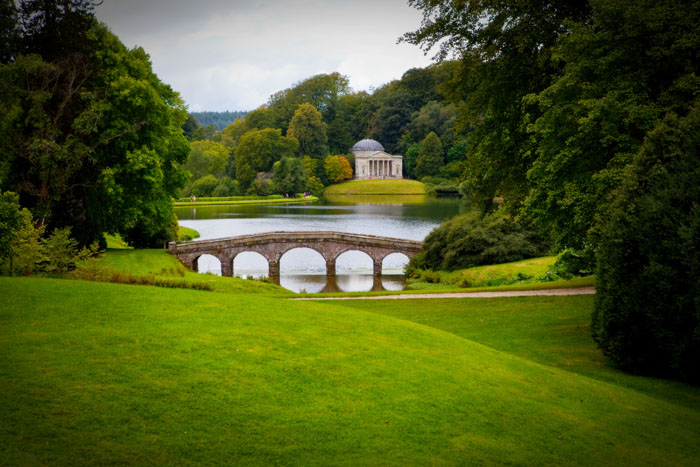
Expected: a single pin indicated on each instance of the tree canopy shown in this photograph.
(89, 135)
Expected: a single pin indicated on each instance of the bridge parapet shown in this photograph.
(272, 245)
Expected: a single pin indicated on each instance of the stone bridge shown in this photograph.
(272, 245)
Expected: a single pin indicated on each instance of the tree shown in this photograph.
(258, 150)
(506, 51)
(410, 158)
(10, 223)
(430, 156)
(190, 126)
(634, 62)
(308, 127)
(647, 309)
(204, 186)
(89, 136)
(207, 157)
(289, 176)
(337, 168)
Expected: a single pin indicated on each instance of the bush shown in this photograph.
(226, 187)
(647, 309)
(473, 240)
(204, 186)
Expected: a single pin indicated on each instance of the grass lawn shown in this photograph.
(164, 265)
(526, 271)
(113, 374)
(377, 187)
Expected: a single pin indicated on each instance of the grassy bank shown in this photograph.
(162, 265)
(377, 187)
(528, 271)
(112, 374)
(243, 200)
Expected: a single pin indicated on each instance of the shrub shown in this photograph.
(647, 308)
(204, 186)
(473, 240)
(226, 187)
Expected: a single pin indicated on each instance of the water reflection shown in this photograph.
(341, 283)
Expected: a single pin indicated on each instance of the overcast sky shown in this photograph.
(231, 55)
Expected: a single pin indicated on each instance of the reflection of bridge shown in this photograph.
(273, 245)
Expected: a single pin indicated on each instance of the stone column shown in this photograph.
(226, 267)
(377, 285)
(274, 270)
(377, 267)
(330, 267)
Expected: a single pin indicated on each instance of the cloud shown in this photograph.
(233, 55)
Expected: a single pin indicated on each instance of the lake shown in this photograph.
(302, 269)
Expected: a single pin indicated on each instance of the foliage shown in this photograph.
(90, 138)
(226, 187)
(472, 240)
(647, 311)
(289, 176)
(315, 186)
(258, 150)
(430, 156)
(207, 157)
(308, 127)
(506, 51)
(337, 168)
(205, 186)
(11, 220)
(636, 61)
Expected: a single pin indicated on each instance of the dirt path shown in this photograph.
(509, 293)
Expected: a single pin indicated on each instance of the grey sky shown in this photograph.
(231, 55)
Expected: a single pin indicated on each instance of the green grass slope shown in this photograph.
(111, 374)
(377, 187)
(164, 265)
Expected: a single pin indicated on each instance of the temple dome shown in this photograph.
(368, 145)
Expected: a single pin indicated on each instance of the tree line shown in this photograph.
(318, 120)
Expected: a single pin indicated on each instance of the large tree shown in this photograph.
(90, 137)
(506, 52)
(308, 127)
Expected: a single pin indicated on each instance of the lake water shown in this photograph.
(409, 217)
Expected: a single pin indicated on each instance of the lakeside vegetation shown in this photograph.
(236, 200)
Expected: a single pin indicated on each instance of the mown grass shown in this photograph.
(109, 374)
(162, 265)
(377, 187)
(553, 331)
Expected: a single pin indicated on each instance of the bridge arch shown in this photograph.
(395, 260)
(251, 261)
(313, 258)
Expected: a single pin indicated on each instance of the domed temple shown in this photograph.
(371, 162)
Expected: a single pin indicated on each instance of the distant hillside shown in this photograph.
(219, 119)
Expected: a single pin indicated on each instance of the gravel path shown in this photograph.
(510, 293)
